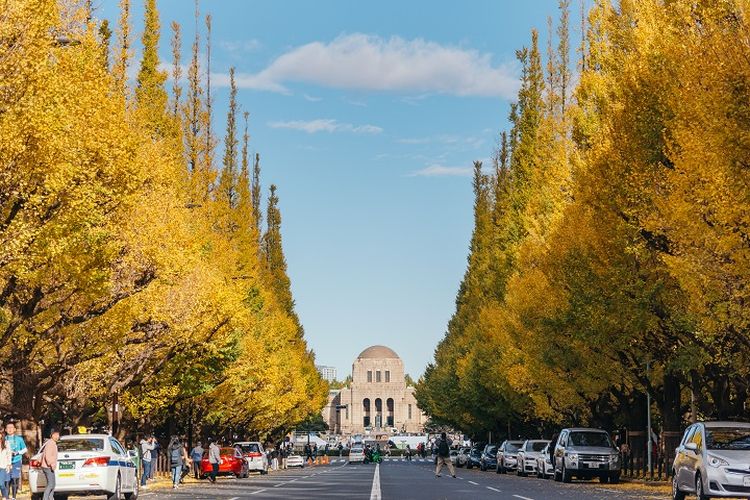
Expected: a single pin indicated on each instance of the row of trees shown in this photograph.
(133, 265)
(609, 257)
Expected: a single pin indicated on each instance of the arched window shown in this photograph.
(389, 414)
(378, 412)
(366, 411)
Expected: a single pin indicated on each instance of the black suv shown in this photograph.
(474, 458)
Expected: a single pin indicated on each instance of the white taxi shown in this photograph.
(88, 464)
(256, 458)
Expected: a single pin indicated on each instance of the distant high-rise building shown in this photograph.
(327, 372)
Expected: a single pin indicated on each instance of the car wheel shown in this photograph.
(614, 478)
(117, 494)
(482, 467)
(37, 496)
(700, 493)
(566, 477)
(469, 465)
(604, 479)
(676, 493)
(503, 470)
(133, 495)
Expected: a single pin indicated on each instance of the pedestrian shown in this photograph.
(443, 447)
(5, 460)
(284, 454)
(196, 455)
(147, 446)
(17, 450)
(274, 458)
(214, 456)
(185, 461)
(308, 453)
(49, 463)
(154, 456)
(408, 453)
(176, 456)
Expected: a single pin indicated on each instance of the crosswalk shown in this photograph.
(343, 460)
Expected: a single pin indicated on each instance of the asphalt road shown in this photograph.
(399, 480)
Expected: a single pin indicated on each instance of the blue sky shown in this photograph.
(367, 116)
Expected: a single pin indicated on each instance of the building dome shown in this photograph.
(378, 352)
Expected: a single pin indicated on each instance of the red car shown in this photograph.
(231, 463)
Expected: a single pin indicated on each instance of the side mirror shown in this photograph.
(691, 447)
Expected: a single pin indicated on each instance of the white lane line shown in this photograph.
(522, 497)
(235, 498)
(493, 489)
(475, 484)
(375, 492)
(258, 491)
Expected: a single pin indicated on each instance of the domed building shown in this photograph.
(377, 398)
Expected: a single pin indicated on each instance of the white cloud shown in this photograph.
(325, 125)
(366, 62)
(235, 46)
(457, 141)
(312, 98)
(443, 171)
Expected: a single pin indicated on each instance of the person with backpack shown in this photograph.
(17, 450)
(176, 458)
(196, 455)
(147, 446)
(443, 447)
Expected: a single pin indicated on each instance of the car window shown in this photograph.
(697, 438)
(227, 452)
(594, 439)
(727, 438)
(491, 449)
(250, 448)
(688, 434)
(116, 446)
(81, 444)
(563, 439)
(538, 446)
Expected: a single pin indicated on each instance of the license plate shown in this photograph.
(67, 465)
(593, 465)
(66, 474)
(746, 481)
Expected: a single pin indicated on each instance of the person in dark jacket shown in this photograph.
(176, 456)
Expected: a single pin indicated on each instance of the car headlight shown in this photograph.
(715, 461)
(572, 456)
(614, 458)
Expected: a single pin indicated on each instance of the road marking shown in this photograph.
(475, 484)
(523, 498)
(375, 492)
(258, 491)
(493, 489)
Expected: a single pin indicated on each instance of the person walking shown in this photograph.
(274, 458)
(147, 446)
(176, 457)
(214, 456)
(154, 456)
(196, 455)
(443, 447)
(5, 461)
(408, 453)
(49, 463)
(283, 453)
(17, 450)
(308, 453)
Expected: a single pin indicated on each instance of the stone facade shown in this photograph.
(377, 399)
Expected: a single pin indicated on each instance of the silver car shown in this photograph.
(585, 454)
(544, 467)
(528, 454)
(713, 460)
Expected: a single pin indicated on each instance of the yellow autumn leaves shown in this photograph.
(614, 235)
(121, 271)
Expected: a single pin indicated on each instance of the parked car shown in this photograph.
(507, 456)
(295, 460)
(231, 463)
(357, 454)
(474, 457)
(462, 457)
(256, 458)
(585, 454)
(713, 460)
(528, 454)
(453, 455)
(88, 464)
(544, 468)
(488, 460)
